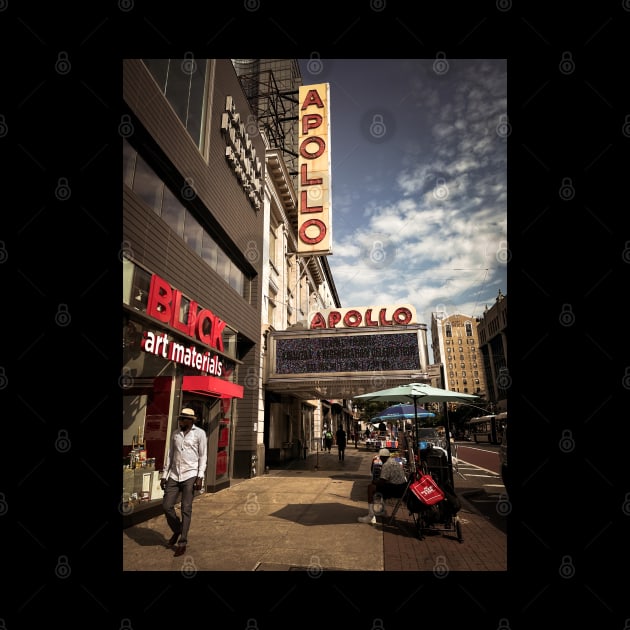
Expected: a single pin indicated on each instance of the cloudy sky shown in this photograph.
(419, 181)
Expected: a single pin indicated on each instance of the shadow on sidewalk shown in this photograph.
(320, 513)
(146, 537)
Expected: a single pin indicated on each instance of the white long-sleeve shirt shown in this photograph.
(187, 456)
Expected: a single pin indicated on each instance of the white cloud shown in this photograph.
(419, 219)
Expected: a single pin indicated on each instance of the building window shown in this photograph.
(273, 243)
(183, 83)
(173, 212)
(469, 331)
(147, 185)
(449, 330)
(271, 310)
(209, 250)
(150, 188)
(193, 233)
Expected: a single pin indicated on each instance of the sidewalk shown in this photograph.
(304, 517)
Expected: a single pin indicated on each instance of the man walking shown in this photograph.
(183, 471)
(341, 442)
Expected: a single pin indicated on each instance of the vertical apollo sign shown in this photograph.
(314, 225)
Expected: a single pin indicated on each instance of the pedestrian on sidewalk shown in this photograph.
(183, 471)
(341, 442)
(390, 483)
(328, 440)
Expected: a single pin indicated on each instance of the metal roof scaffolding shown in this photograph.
(271, 87)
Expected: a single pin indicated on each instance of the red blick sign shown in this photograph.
(165, 305)
(314, 193)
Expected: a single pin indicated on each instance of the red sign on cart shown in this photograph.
(426, 490)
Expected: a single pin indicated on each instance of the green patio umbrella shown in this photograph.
(423, 393)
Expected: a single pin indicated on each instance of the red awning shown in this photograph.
(212, 386)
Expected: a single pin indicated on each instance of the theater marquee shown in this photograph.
(363, 317)
(314, 192)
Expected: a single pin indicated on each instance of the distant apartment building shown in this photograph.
(456, 346)
(492, 331)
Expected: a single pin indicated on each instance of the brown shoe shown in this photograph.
(173, 539)
(180, 551)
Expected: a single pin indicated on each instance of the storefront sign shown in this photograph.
(162, 346)
(364, 316)
(240, 153)
(314, 193)
(165, 304)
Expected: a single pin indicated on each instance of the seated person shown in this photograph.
(390, 483)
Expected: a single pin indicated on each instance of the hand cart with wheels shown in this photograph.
(430, 497)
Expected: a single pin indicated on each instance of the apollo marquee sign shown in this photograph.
(363, 317)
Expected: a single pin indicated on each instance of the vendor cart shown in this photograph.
(429, 496)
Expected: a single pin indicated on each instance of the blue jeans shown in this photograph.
(171, 491)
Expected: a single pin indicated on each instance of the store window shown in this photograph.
(140, 285)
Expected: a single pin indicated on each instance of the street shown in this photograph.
(476, 476)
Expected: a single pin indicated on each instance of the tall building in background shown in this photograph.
(455, 343)
(493, 346)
